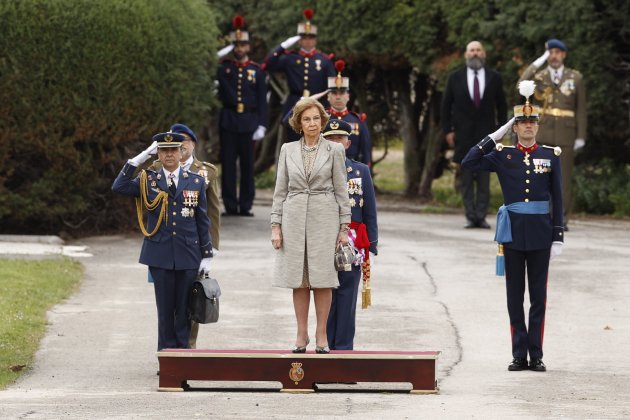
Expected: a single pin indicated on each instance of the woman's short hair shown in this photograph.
(301, 106)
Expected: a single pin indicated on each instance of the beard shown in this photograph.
(475, 63)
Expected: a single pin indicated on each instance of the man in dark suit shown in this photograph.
(473, 105)
(177, 242)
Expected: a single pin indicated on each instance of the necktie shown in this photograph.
(171, 183)
(476, 94)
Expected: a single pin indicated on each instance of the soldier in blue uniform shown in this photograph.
(529, 224)
(338, 96)
(243, 93)
(306, 69)
(363, 235)
(177, 243)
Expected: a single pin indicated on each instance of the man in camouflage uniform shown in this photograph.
(561, 94)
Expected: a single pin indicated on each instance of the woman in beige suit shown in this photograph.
(309, 217)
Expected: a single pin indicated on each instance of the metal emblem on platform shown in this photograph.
(296, 373)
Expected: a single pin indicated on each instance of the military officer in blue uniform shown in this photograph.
(363, 235)
(338, 96)
(177, 243)
(529, 224)
(306, 69)
(243, 93)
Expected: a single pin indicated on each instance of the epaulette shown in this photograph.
(330, 56)
(501, 146)
(362, 117)
(193, 173)
(556, 149)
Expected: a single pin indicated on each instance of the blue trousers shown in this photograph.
(526, 337)
(172, 288)
(237, 146)
(343, 310)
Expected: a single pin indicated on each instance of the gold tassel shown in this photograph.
(366, 293)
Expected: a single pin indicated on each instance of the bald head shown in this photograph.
(475, 55)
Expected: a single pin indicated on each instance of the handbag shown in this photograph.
(344, 257)
(203, 301)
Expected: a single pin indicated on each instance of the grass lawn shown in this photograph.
(28, 288)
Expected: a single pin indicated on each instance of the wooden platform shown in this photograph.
(298, 372)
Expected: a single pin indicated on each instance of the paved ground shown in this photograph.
(434, 289)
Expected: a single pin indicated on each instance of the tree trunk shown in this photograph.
(433, 141)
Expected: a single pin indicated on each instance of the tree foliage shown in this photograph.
(83, 86)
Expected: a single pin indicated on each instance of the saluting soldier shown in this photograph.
(243, 93)
(529, 223)
(360, 148)
(306, 69)
(363, 235)
(561, 93)
(210, 174)
(177, 244)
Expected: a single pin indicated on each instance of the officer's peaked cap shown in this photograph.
(336, 126)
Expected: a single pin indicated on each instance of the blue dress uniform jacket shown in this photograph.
(363, 199)
(307, 73)
(535, 177)
(243, 93)
(181, 243)
(361, 145)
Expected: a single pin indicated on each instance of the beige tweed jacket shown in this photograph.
(310, 213)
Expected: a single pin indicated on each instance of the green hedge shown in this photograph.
(602, 189)
(84, 84)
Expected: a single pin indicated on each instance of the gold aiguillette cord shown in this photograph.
(162, 198)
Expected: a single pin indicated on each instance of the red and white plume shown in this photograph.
(526, 88)
(340, 65)
(308, 14)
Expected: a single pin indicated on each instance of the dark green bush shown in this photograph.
(84, 84)
(602, 189)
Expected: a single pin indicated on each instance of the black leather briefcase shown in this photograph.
(203, 302)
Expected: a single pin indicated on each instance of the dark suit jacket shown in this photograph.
(460, 115)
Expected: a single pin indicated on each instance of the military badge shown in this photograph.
(191, 198)
(526, 159)
(509, 156)
(349, 169)
(185, 174)
(542, 166)
(567, 87)
(353, 202)
(298, 62)
(228, 70)
(196, 180)
(361, 203)
(153, 184)
(318, 64)
(334, 125)
(251, 75)
(355, 129)
(159, 176)
(296, 373)
(358, 172)
(185, 212)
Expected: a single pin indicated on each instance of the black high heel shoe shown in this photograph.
(301, 349)
(322, 350)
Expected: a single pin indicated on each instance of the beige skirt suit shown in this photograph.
(309, 205)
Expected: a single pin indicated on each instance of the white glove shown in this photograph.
(290, 41)
(204, 265)
(500, 133)
(225, 50)
(579, 143)
(144, 155)
(372, 261)
(259, 134)
(541, 60)
(556, 250)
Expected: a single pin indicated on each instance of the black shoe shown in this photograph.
(301, 349)
(322, 350)
(537, 365)
(470, 225)
(483, 224)
(246, 213)
(519, 363)
(229, 213)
